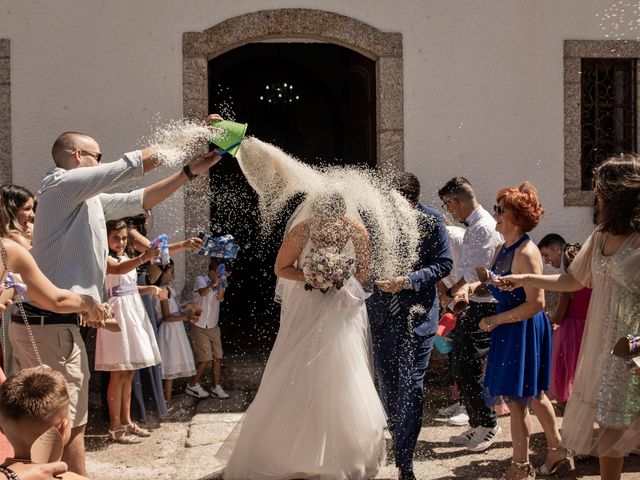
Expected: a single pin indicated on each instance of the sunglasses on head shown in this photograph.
(498, 209)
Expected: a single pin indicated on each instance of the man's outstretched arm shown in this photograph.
(156, 193)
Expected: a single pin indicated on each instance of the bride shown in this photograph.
(316, 414)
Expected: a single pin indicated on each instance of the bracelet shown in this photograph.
(11, 475)
(187, 171)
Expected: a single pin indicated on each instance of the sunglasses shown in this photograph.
(96, 155)
(498, 209)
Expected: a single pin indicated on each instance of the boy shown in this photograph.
(32, 402)
(205, 333)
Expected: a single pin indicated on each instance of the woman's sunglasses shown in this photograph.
(498, 209)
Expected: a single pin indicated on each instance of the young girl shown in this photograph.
(135, 345)
(605, 391)
(175, 350)
(570, 317)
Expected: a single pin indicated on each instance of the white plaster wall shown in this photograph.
(483, 83)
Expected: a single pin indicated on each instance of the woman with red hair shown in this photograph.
(519, 362)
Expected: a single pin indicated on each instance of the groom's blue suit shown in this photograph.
(403, 327)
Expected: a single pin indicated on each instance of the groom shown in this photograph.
(403, 313)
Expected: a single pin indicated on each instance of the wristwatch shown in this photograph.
(407, 285)
(449, 293)
(187, 171)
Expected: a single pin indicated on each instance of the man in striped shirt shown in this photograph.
(70, 247)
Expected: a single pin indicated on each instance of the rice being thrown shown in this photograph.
(390, 219)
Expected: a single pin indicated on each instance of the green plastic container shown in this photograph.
(232, 136)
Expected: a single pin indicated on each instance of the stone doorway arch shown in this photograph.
(291, 24)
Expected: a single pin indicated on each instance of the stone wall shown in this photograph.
(5, 112)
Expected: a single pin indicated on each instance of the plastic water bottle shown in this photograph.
(222, 274)
(164, 249)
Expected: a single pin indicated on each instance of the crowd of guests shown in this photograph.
(86, 261)
(507, 349)
(78, 264)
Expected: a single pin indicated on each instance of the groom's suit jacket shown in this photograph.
(419, 306)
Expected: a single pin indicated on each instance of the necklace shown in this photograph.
(5, 264)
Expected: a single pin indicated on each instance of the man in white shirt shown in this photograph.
(471, 345)
(205, 333)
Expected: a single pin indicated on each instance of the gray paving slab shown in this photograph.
(185, 446)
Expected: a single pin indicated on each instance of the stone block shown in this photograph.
(578, 198)
(572, 69)
(391, 151)
(292, 23)
(199, 462)
(389, 87)
(195, 86)
(5, 71)
(208, 433)
(602, 48)
(208, 418)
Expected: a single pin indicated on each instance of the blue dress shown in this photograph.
(519, 362)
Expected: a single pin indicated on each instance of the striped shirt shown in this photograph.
(70, 236)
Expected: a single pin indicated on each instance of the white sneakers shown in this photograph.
(217, 391)
(464, 438)
(199, 392)
(477, 439)
(455, 413)
(460, 418)
(196, 391)
(483, 437)
(451, 410)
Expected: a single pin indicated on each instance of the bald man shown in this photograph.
(70, 247)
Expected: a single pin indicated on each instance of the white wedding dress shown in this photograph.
(317, 413)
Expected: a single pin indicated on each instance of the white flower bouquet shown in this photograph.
(324, 270)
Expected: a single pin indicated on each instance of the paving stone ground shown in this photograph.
(184, 445)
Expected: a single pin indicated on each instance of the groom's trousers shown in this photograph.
(401, 358)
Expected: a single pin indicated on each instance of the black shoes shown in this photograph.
(404, 474)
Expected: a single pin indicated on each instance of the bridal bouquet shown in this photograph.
(324, 269)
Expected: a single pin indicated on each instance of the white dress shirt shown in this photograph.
(478, 247)
(456, 237)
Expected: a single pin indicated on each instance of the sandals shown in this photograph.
(522, 467)
(560, 468)
(119, 435)
(136, 430)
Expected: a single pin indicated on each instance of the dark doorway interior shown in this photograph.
(315, 101)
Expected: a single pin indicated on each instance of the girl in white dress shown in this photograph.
(135, 346)
(317, 413)
(175, 349)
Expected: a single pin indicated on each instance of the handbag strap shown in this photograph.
(18, 301)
